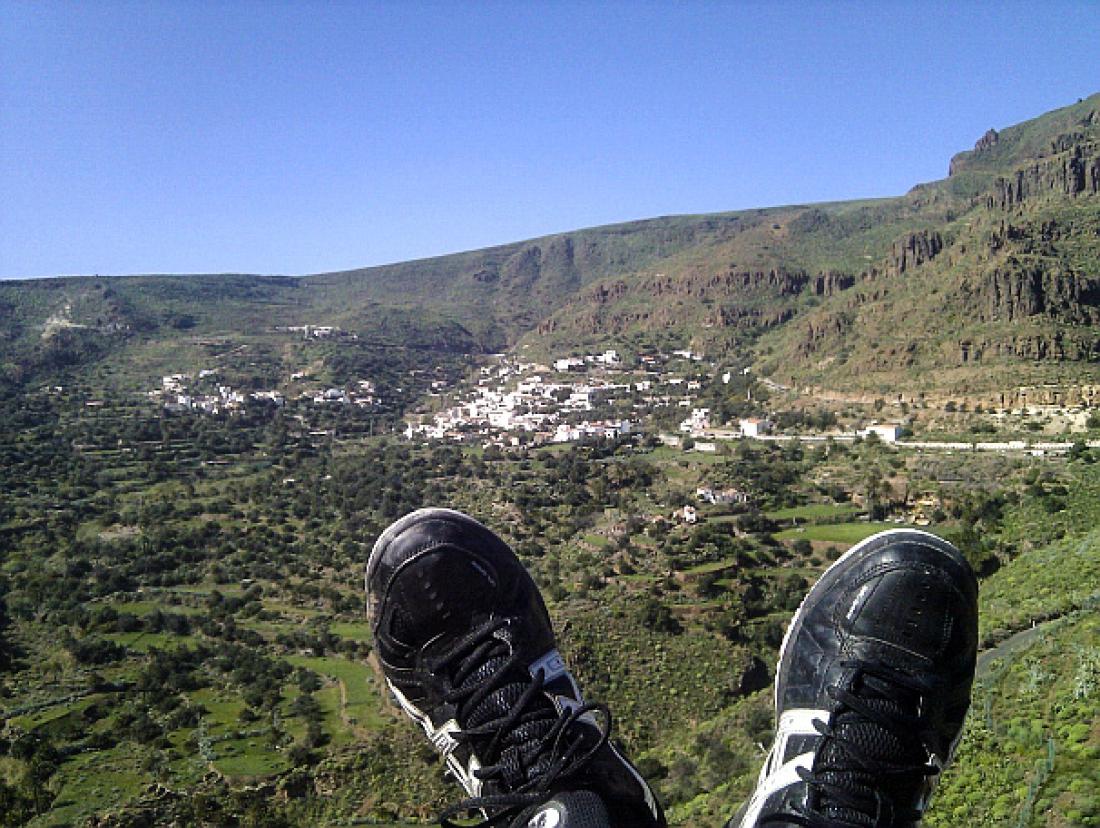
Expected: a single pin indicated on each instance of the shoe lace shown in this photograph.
(853, 784)
(523, 743)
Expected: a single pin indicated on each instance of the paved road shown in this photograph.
(1020, 641)
(931, 445)
(1011, 646)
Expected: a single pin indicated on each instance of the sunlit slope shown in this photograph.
(988, 277)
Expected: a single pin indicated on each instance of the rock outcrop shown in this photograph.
(1038, 347)
(1073, 172)
(821, 329)
(775, 282)
(829, 282)
(960, 161)
(913, 250)
(1015, 292)
(989, 139)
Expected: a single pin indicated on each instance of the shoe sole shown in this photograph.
(824, 584)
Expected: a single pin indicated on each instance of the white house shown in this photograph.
(887, 433)
(709, 495)
(698, 422)
(755, 427)
(568, 364)
(566, 433)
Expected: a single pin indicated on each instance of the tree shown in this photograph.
(1080, 451)
(7, 649)
(656, 616)
(876, 490)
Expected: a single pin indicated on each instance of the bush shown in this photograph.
(657, 617)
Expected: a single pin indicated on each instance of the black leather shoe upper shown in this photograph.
(432, 582)
(873, 686)
(906, 598)
(468, 650)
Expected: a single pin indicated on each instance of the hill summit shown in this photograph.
(985, 278)
(993, 267)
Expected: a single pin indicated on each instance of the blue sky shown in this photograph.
(282, 137)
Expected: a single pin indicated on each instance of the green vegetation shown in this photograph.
(360, 699)
(215, 642)
(181, 614)
(847, 533)
(817, 512)
(1032, 743)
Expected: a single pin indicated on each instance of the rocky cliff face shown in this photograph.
(775, 282)
(822, 329)
(830, 282)
(1072, 172)
(960, 161)
(1058, 346)
(1018, 291)
(913, 250)
(733, 298)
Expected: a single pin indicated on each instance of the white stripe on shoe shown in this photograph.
(442, 740)
(785, 775)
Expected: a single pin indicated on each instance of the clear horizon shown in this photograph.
(301, 138)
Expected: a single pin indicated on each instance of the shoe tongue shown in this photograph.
(877, 747)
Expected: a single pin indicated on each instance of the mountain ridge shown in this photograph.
(991, 266)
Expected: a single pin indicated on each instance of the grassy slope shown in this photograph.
(1032, 744)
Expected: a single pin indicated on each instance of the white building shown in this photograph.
(697, 423)
(568, 364)
(887, 433)
(709, 495)
(755, 427)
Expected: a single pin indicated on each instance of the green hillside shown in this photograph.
(182, 633)
(985, 278)
(1002, 291)
(194, 468)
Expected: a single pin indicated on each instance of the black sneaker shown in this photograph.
(872, 688)
(467, 648)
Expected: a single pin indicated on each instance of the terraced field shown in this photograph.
(842, 533)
